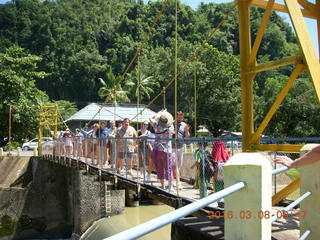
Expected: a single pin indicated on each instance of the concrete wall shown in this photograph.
(47, 200)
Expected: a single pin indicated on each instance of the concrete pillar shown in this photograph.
(248, 211)
(18, 151)
(1, 152)
(309, 208)
(132, 199)
(35, 152)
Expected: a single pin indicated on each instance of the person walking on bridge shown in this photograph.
(181, 132)
(143, 134)
(162, 150)
(127, 147)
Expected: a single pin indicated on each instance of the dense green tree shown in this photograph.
(18, 73)
(79, 42)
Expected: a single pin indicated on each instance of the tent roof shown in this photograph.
(91, 112)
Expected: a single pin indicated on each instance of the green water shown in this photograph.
(131, 217)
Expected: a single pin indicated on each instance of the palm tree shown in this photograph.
(144, 87)
(112, 91)
(146, 84)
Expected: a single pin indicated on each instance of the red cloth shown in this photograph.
(219, 152)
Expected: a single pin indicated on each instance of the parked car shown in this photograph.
(233, 144)
(47, 146)
(3, 141)
(34, 143)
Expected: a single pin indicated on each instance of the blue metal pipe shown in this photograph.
(305, 235)
(292, 205)
(279, 170)
(156, 223)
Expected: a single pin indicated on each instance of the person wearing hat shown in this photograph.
(68, 142)
(78, 147)
(162, 123)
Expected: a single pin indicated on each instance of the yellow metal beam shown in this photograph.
(275, 64)
(306, 44)
(285, 192)
(309, 7)
(296, 72)
(318, 24)
(263, 26)
(290, 148)
(55, 131)
(305, 59)
(281, 8)
(246, 79)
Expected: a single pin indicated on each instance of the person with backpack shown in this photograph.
(220, 157)
(203, 174)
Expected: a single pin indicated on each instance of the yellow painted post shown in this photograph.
(281, 8)
(248, 211)
(306, 44)
(246, 79)
(318, 24)
(40, 132)
(290, 148)
(261, 31)
(285, 192)
(55, 131)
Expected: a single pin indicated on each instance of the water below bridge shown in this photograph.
(131, 217)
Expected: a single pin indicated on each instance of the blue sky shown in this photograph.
(311, 24)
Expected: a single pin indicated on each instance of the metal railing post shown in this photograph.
(86, 148)
(168, 165)
(309, 208)
(144, 160)
(92, 152)
(202, 183)
(126, 157)
(113, 153)
(248, 212)
(275, 175)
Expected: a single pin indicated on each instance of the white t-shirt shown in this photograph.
(181, 126)
(68, 142)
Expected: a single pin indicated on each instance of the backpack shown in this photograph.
(209, 165)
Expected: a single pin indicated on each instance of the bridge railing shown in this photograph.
(248, 212)
(103, 154)
(134, 158)
(302, 214)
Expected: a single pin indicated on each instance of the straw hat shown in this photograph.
(164, 119)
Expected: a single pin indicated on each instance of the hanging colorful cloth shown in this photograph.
(220, 156)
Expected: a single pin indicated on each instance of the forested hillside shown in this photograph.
(76, 42)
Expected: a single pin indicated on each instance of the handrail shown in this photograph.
(305, 235)
(292, 205)
(156, 223)
(279, 170)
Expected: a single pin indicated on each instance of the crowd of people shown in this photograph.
(157, 146)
